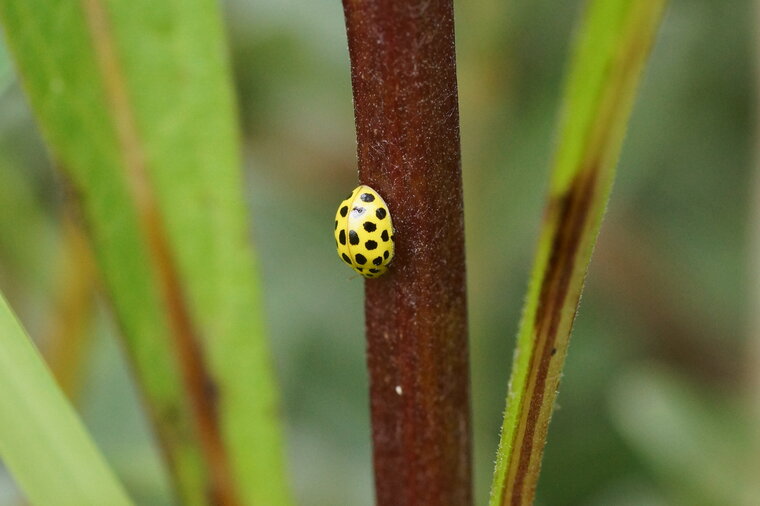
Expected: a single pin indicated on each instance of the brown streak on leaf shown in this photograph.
(67, 337)
(198, 381)
(572, 212)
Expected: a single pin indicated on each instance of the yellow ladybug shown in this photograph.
(364, 232)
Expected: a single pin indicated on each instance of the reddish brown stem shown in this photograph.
(405, 95)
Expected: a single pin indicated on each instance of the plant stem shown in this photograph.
(405, 95)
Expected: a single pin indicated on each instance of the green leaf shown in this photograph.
(134, 99)
(42, 441)
(611, 48)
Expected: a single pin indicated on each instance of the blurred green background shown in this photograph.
(657, 402)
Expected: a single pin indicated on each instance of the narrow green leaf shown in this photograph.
(135, 100)
(612, 46)
(42, 441)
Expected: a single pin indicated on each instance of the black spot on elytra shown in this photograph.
(369, 226)
(353, 238)
(380, 213)
(336, 225)
(346, 259)
(374, 270)
(386, 254)
(384, 236)
(393, 238)
(377, 261)
(360, 269)
(370, 245)
(342, 237)
(367, 197)
(359, 210)
(360, 259)
(344, 211)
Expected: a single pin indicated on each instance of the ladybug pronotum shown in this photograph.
(364, 232)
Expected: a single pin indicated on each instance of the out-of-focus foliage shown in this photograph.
(42, 439)
(700, 443)
(666, 284)
(136, 104)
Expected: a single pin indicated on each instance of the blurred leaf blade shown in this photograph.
(611, 49)
(135, 101)
(694, 441)
(42, 441)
